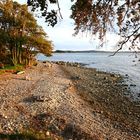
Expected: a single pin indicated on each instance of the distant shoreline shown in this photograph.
(90, 51)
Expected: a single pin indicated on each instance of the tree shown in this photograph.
(19, 33)
(99, 17)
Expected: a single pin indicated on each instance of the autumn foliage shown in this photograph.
(101, 16)
(20, 36)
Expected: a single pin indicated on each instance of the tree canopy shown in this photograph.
(99, 17)
(20, 36)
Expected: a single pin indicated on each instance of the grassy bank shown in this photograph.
(10, 68)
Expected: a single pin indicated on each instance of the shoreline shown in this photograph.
(132, 89)
(68, 101)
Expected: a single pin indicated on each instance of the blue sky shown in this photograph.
(62, 37)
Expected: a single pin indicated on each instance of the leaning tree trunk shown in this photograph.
(14, 56)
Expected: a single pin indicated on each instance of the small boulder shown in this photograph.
(28, 78)
(40, 98)
(20, 72)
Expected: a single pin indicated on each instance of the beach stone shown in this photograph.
(132, 85)
(40, 98)
(105, 78)
(126, 75)
(28, 78)
(125, 85)
(112, 75)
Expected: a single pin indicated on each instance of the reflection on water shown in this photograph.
(122, 63)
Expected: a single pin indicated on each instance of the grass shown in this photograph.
(17, 67)
(27, 135)
(9, 68)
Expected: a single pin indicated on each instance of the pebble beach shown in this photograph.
(70, 102)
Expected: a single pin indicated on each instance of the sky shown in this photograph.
(62, 33)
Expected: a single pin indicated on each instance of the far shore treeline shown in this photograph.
(20, 36)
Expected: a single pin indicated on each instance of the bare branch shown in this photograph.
(59, 10)
(136, 37)
(125, 14)
(125, 41)
(118, 49)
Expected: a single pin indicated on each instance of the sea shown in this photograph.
(125, 63)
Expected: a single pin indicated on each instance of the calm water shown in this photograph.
(122, 63)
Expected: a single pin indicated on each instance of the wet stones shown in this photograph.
(126, 75)
(69, 63)
(112, 75)
(132, 85)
